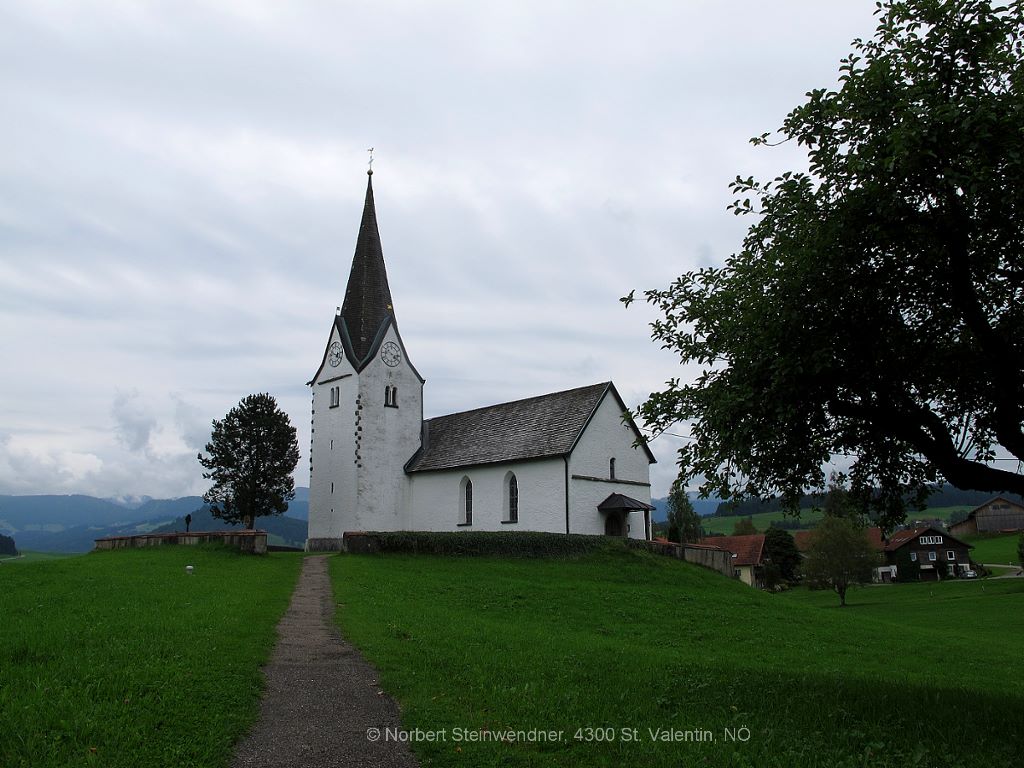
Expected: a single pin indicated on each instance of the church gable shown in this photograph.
(335, 361)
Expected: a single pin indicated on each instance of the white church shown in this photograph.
(565, 462)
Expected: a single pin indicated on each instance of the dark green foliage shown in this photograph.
(792, 525)
(782, 553)
(1020, 550)
(958, 517)
(840, 501)
(744, 527)
(683, 521)
(252, 453)
(839, 556)
(504, 543)
(7, 546)
(876, 308)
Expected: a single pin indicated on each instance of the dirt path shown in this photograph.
(321, 696)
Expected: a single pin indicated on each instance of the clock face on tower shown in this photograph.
(391, 354)
(336, 355)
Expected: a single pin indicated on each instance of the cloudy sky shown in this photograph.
(181, 185)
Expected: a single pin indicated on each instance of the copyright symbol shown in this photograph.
(373, 734)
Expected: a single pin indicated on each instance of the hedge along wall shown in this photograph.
(478, 543)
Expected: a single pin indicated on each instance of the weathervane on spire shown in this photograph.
(370, 169)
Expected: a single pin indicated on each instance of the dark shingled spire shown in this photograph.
(368, 298)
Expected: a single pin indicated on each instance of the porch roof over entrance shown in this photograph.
(617, 502)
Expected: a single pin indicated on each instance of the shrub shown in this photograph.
(481, 543)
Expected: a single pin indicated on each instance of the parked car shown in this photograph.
(970, 574)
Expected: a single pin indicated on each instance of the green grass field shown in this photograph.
(121, 659)
(35, 557)
(723, 526)
(629, 640)
(1001, 548)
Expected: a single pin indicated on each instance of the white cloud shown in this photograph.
(180, 194)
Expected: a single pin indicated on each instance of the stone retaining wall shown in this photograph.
(709, 557)
(245, 541)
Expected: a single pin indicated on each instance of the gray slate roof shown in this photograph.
(534, 428)
(619, 501)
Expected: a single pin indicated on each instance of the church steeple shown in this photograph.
(367, 306)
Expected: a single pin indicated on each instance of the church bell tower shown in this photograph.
(367, 406)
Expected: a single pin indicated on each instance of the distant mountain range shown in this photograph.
(71, 523)
(283, 530)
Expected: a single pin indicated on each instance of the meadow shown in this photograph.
(723, 526)
(1001, 548)
(621, 649)
(122, 659)
(27, 556)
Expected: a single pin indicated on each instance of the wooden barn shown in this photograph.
(994, 516)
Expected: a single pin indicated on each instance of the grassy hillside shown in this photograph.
(762, 521)
(121, 659)
(994, 549)
(27, 556)
(634, 643)
(724, 525)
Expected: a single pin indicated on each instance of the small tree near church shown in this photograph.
(252, 453)
(683, 520)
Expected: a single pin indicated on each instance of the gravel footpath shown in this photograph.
(321, 696)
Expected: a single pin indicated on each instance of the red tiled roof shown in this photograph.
(899, 538)
(748, 549)
(802, 539)
(876, 538)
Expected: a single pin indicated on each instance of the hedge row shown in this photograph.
(476, 543)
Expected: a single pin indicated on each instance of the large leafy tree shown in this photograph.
(876, 308)
(252, 453)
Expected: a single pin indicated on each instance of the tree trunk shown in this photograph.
(841, 589)
(250, 522)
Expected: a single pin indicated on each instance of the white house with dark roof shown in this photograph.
(566, 462)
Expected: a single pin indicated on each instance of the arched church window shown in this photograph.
(390, 397)
(335, 396)
(466, 502)
(611, 469)
(512, 499)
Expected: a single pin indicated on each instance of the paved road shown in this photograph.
(321, 696)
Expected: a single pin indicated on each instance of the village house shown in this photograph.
(748, 556)
(998, 515)
(931, 553)
(565, 462)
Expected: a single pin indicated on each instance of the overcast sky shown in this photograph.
(181, 185)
